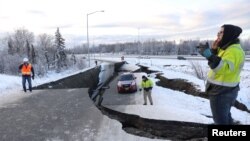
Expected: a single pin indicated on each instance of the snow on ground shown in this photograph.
(11, 86)
(110, 130)
(130, 67)
(168, 104)
(9, 82)
(175, 105)
(173, 68)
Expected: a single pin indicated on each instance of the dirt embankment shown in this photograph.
(190, 89)
(158, 129)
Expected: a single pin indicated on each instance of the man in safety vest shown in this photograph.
(147, 86)
(27, 73)
(225, 59)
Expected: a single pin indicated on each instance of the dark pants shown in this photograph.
(28, 78)
(221, 105)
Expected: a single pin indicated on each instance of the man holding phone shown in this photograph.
(225, 59)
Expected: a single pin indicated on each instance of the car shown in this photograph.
(181, 58)
(126, 83)
(194, 54)
(146, 57)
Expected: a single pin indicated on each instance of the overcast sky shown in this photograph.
(125, 20)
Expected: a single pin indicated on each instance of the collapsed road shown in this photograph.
(63, 110)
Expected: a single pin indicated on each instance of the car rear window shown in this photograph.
(126, 77)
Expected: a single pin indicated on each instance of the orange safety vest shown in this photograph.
(26, 70)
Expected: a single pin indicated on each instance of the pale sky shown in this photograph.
(125, 20)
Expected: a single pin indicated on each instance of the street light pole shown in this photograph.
(88, 31)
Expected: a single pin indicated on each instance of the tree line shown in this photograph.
(151, 47)
(45, 52)
(48, 52)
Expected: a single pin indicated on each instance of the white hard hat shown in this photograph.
(25, 60)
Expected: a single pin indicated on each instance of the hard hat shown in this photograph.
(25, 60)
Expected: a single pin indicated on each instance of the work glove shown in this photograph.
(33, 77)
(140, 89)
(204, 50)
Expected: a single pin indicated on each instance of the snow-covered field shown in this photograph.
(176, 105)
(168, 104)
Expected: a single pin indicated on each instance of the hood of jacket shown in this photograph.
(230, 35)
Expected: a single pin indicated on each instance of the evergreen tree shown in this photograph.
(59, 41)
(60, 55)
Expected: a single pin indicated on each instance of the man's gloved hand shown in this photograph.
(33, 77)
(140, 89)
(204, 50)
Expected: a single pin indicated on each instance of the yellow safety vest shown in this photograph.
(227, 73)
(147, 84)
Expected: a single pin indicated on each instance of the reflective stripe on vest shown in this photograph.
(26, 70)
(227, 73)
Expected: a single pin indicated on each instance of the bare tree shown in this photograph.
(46, 49)
(28, 49)
(73, 59)
(11, 49)
(20, 38)
(2, 63)
(199, 71)
(33, 55)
